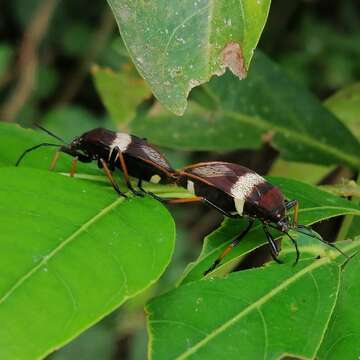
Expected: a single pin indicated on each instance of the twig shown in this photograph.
(28, 60)
(106, 27)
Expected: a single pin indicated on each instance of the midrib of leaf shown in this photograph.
(301, 137)
(254, 306)
(58, 248)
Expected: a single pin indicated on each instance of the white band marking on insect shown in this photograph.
(243, 188)
(121, 142)
(190, 187)
(155, 179)
(239, 205)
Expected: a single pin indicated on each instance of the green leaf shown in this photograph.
(261, 313)
(69, 121)
(266, 106)
(178, 45)
(305, 172)
(315, 205)
(121, 92)
(346, 105)
(71, 252)
(6, 53)
(342, 338)
(15, 139)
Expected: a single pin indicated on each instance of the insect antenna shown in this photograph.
(50, 133)
(34, 148)
(309, 232)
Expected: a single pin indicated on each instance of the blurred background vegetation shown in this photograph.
(48, 49)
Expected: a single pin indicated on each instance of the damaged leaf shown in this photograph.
(177, 45)
(265, 107)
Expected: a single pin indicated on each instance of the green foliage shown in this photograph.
(343, 330)
(247, 314)
(266, 105)
(72, 251)
(346, 105)
(75, 257)
(315, 205)
(5, 57)
(179, 45)
(121, 93)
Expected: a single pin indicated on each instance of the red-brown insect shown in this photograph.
(237, 191)
(132, 155)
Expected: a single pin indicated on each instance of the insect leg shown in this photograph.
(110, 177)
(120, 156)
(230, 247)
(293, 204)
(73, 166)
(296, 248)
(54, 160)
(224, 212)
(274, 251)
(183, 201)
(139, 185)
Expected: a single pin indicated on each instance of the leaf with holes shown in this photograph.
(265, 107)
(315, 205)
(71, 252)
(177, 45)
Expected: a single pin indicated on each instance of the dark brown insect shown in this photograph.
(237, 191)
(132, 155)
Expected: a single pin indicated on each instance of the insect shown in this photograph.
(237, 191)
(134, 156)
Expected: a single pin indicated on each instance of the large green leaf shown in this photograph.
(342, 338)
(177, 45)
(315, 205)
(70, 252)
(266, 106)
(261, 313)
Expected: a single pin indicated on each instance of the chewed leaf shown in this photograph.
(177, 45)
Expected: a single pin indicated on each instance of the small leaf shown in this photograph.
(180, 44)
(71, 252)
(121, 92)
(266, 106)
(244, 316)
(342, 338)
(315, 205)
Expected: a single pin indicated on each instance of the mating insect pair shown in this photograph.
(233, 190)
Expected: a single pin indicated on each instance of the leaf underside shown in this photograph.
(177, 45)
